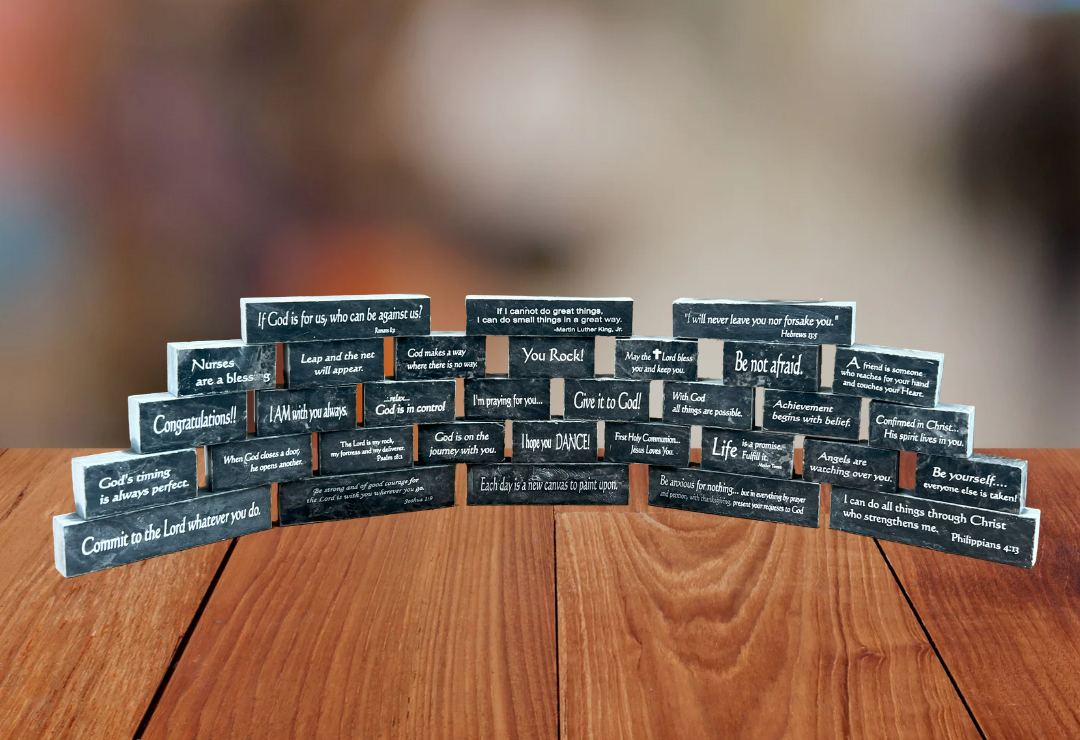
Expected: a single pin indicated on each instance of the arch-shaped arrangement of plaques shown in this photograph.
(146, 501)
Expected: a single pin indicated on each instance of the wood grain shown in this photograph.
(688, 625)
(1010, 635)
(81, 657)
(433, 624)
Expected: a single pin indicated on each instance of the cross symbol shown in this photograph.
(656, 354)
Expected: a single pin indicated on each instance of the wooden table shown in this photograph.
(535, 622)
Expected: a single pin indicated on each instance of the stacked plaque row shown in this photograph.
(338, 438)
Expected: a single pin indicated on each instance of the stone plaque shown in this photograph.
(441, 354)
(648, 443)
(84, 546)
(499, 398)
(729, 494)
(901, 375)
(548, 316)
(366, 449)
(985, 481)
(850, 465)
(552, 357)
(335, 497)
(305, 411)
(256, 461)
(199, 368)
(160, 421)
(656, 358)
(119, 482)
(317, 318)
(748, 452)
(819, 414)
(396, 402)
(462, 442)
(551, 485)
(337, 363)
(942, 430)
(786, 366)
(607, 399)
(1012, 539)
(792, 322)
(554, 441)
(708, 403)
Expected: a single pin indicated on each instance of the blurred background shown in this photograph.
(160, 159)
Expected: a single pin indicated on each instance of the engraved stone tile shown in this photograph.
(497, 398)
(119, 482)
(256, 461)
(792, 367)
(555, 441)
(730, 494)
(985, 481)
(551, 484)
(335, 497)
(708, 403)
(335, 363)
(396, 402)
(792, 322)
(281, 412)
(552, 357)
(442, 354)
(548, 316)
(366, 449)
(200, 368)
(902, 375)
(656, 358)
(607, 399)
(319, 318)
(462, 442)
(647, 443)
(820, 414)
(945, 429)
(82, 546)
(748, 452)
(1012, 539)
(850, 465)
(160, 421)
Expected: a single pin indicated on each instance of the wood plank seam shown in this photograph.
(182, 645)
(930, 639)
(555, 575)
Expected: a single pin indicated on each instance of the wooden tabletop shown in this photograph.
(539, 622)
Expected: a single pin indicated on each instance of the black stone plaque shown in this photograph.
(199, 368)
(792, 322)
(1012, 539)
(119, 482)
(787, 366)
(648, 443)
(160, 421)
(820, 414)
(366, 449)
(500, 398)
(441, 354)
(850, 465)
(550, 485)
(548, 316)
(656, 358)
(730, 494)
(554, 441)
(708, 403)
(942, 430)
(396, 402)
(305, 411)
(343, 362)
(748, 452)
(984, 481)
(552, 357)
(316, 318)
(901, 375)
(335, 497)
(462, 442)
(607, 399)
(257, 460)
(84, 546)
